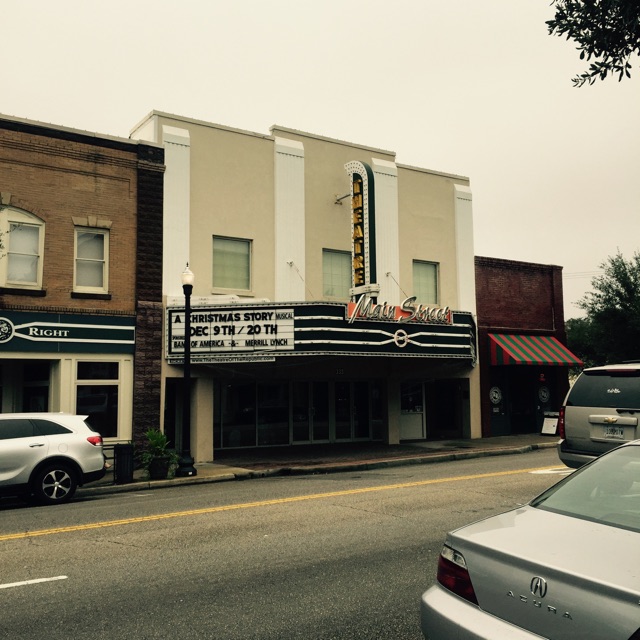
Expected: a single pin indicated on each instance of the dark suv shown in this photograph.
(600, 412)
(48, 455)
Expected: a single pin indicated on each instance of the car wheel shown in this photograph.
(54, 484)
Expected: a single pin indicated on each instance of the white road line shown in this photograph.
(22, 584)
(563, 471)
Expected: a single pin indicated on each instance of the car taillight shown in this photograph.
(561, 423)
(95, 440)
(453, 574)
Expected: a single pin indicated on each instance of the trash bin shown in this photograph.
(123, 463)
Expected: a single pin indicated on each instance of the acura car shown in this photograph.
(48, 455)
(566, 565)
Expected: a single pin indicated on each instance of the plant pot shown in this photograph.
(159, 468)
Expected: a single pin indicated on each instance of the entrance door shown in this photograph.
(310, 411)
(412, 426)
(320, 411)
(301, 409)
(361, 421)
(352, 414)
(342, 405)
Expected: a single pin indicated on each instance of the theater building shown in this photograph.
(334, 294)
(80, 273)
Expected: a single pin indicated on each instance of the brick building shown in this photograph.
(80, 275)
(521, 337)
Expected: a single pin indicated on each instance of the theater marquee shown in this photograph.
(263, 333)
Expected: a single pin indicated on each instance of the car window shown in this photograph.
(48, 428)
(16, 428)
(606, 491)
(606, 388)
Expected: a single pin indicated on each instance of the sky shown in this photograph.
(470, 87)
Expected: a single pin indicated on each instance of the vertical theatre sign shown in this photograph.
(363, 237)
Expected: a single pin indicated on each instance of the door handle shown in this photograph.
(37, 444)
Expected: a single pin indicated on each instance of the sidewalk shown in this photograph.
(314, 459)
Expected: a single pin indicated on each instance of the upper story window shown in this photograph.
(231, 263)
(91, 272)
(336, 273)
(425, 282)
(23, 246)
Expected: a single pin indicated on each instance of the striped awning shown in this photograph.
(522, 349)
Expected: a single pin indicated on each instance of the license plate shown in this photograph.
(616, 433)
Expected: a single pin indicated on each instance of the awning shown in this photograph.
(522, 349)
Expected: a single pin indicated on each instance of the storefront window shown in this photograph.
(273, 413)
(411, 398)
(97, 395)
(35, 392)
(284, 412)
(238, 415)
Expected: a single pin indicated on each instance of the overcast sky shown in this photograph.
(470, 87)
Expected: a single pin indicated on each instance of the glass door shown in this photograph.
(320, 411)
(301, 411)
(342, 407)
(361, 421)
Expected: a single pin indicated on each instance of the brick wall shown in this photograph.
(62, 177)
(519, 295)
(149, 312)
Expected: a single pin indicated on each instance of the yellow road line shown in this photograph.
(261, 503)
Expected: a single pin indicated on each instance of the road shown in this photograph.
(340, 556)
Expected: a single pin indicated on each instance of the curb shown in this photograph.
(299, 470)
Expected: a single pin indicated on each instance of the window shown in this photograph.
(23, 242)
(231, 263)
(92, 260)
(97, 395)
(425, 282)
(336, 273)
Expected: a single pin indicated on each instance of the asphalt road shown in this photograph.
(341, 556)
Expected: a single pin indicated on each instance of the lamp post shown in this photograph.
(185, 464)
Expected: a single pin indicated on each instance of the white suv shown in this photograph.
(600, 412)
(48, 455)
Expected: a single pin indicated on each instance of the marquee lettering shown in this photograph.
(366, 309)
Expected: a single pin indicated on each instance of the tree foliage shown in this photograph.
(611, 330)
(607, 31)
(579, 341)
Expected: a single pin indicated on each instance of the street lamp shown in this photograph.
(185, 464)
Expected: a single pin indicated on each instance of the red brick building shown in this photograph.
(80, 275)
(521, 337)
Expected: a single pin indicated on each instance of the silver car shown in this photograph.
(567, 565)
(48, 455)
(599, 413)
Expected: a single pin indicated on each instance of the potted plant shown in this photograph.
(157, 459)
